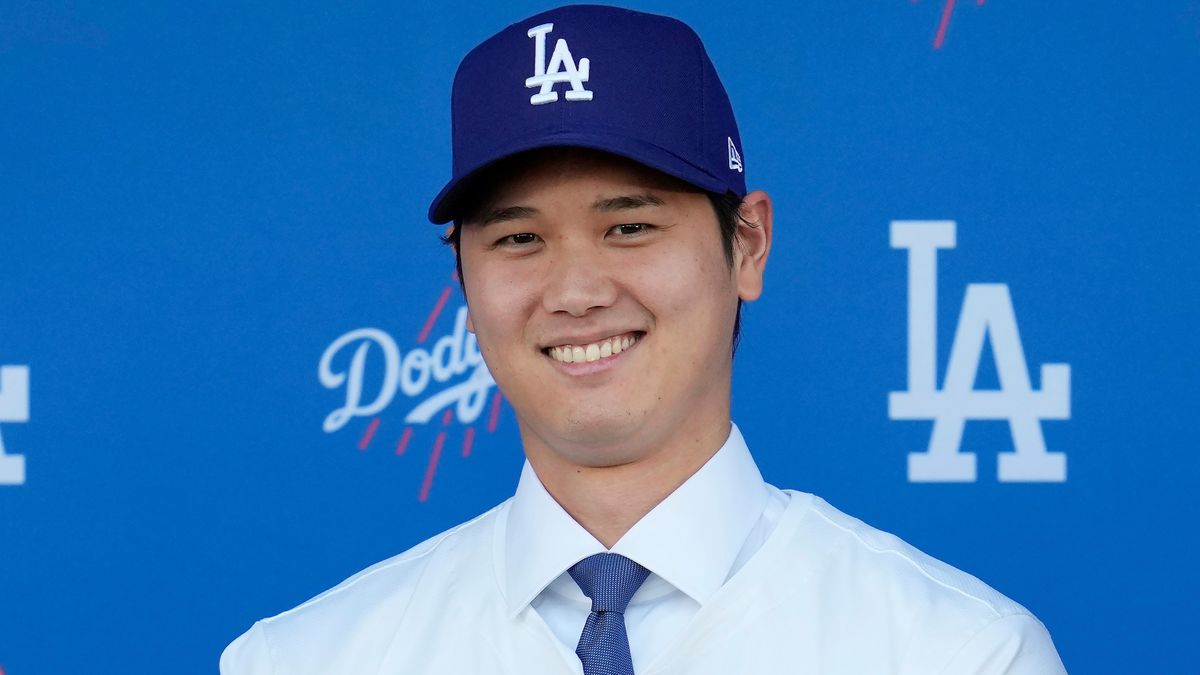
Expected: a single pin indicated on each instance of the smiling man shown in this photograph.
(606, 242)
(604, 295)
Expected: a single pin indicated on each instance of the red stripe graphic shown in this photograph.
(404, 438)
(365, 440)
(470, 436)
(437, 309)
(947, 10)
(494, 416)
(431, 469)
(435, 457)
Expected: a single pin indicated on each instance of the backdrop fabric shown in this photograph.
(235, 368)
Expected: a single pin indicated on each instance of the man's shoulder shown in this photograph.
(877, 582)
(367, 607)
(465, 544)
(876, 556)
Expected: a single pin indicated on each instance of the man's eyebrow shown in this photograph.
(626, 202)
(508, 213)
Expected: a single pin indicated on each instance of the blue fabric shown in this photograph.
(610, 580)
(653, 97)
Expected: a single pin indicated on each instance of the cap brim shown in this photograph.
(446, 206)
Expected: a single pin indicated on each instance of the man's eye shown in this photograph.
(518, 239)
(630, 229)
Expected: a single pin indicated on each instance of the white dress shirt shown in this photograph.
(692, 543)
(745, 579)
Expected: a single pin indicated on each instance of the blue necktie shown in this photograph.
(610, 580)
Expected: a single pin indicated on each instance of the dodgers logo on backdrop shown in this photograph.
(442, 384)
(987, 312)
(452, 355)
(14, 407)
(561, 69)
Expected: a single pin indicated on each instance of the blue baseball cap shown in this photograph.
(590, 76)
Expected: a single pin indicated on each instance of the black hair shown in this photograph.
(727, 208)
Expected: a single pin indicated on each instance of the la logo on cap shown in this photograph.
(561, 68)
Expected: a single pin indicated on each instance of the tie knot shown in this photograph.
(609, 579)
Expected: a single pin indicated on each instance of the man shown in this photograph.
(606, 240)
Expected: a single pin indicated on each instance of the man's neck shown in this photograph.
(608, 501)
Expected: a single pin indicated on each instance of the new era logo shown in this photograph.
(735, 158)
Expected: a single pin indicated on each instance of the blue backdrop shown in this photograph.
(197, 202)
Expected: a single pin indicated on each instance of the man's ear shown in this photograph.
(752, 244)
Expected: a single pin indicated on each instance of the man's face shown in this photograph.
(604, 305)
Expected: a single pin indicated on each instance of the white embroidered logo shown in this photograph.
(735, 159)
(561, 68)
(987, 311)
(14, 407)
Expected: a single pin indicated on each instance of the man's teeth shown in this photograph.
(592, 352)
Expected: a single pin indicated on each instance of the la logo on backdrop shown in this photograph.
(445, 385)
(14, 407)
(987, 311)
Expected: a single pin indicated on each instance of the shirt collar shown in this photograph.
(542, 541)
(690, 539)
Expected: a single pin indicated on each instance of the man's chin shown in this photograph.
(601, 441)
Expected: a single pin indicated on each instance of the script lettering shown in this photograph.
(452, 355)
(352, 378)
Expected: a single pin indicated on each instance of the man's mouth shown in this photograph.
(593, 351)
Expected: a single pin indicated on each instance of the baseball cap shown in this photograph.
(636, 85)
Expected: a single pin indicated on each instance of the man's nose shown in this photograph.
(578, 280)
